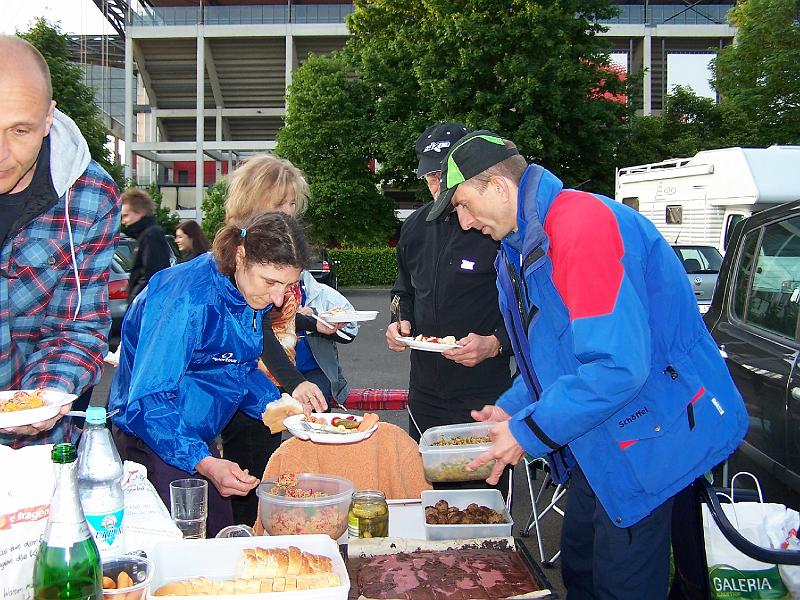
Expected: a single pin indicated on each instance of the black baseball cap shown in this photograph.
(470, 156)
(433, 144)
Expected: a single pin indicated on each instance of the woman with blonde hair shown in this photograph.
(263, 184)
(269, 184)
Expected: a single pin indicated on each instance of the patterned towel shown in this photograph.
(376, 399)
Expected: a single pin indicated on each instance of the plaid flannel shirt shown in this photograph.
(41, 344)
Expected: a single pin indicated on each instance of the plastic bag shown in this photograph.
(28, 480)
(733, 575)
(147, 520)
(782, 533)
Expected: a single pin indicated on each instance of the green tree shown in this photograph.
(167, 219)
(327, 134)
(72, 96)
(760, 73)
(535, 72)
(213, 207)
(689, 123)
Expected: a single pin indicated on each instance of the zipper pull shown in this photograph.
(254, 321)
(670, 370)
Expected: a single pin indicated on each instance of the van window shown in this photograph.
(729, 225)
(633, 202)
(768, 278)
(674, 214)
(699, 259)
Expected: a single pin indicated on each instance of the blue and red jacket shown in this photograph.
(618, 371)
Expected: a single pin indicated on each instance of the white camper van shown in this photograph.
(698, 200)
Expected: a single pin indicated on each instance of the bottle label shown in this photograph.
(352, 525)
(64, 535)
(107, 529)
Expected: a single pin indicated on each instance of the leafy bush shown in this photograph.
(365, 266)
(213, 207)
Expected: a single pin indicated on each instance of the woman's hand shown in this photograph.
(227, 476)
(311, 397)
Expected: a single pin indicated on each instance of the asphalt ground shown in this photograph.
(367, 363)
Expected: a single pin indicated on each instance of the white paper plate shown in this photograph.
(426, 346)
(296, 429)
(17, 418)
(349, 317)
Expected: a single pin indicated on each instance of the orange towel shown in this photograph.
(388, 461)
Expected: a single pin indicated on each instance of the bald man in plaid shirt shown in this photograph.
(59, 220)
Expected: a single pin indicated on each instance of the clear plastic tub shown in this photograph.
(283, 515)
(449, 462)
(138, 569)
(461, 499)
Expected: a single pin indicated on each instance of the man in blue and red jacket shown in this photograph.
(622, 388)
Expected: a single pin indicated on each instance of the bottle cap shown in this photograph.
(96, 415)
(63, 453)
(236, 531)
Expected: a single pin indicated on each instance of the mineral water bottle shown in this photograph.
(67, 566)
(100, 484)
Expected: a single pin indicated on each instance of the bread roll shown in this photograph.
(277, 411)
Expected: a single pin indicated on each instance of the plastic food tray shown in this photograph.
(448, 463)
(461, 499)
(218, 559)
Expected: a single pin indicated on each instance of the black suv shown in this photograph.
(323, 269)
(754, 319)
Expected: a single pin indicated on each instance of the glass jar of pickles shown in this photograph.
(369, 515)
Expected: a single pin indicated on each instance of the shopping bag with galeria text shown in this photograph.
(733, 575)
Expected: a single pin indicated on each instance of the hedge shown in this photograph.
(365, 266)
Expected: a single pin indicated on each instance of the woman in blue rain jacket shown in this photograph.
(189, 351)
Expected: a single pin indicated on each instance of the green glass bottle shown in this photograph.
(68, 564)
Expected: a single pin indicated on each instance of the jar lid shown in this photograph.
(369, 495)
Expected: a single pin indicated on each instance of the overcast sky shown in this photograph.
(74, 16)
(82, 16)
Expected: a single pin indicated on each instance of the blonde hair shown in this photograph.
(262, 184)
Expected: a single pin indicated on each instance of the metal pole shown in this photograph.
(200, 126)
(129, 91)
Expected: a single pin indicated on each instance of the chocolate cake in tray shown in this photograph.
(399, 569)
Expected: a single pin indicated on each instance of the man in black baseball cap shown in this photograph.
(434, 143)
(446, 286)
(600, 313)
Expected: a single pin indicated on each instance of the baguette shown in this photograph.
(202, 586)
(279, 562)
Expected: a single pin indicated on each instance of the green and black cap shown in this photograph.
(470, 156)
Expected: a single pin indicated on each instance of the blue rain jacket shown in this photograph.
(190, 346)
(618, 371)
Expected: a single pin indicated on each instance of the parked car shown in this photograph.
(754, 319)
(702, 265)
(121, 265)
(323, 269)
